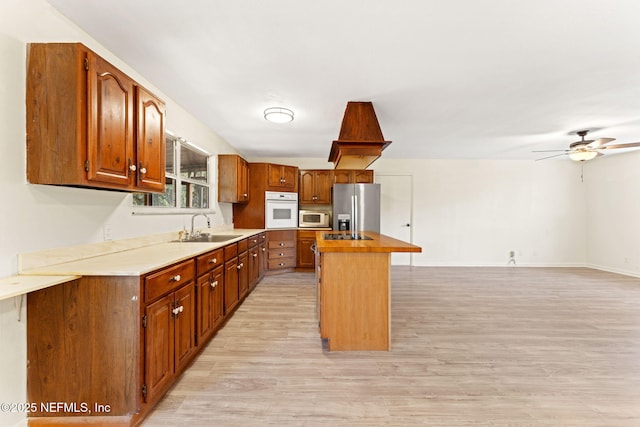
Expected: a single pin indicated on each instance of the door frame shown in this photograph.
(405, 174)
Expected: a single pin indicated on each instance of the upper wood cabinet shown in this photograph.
(315, 186)
(349, 176)
(281, 177)
(233, 179)
(89, 124)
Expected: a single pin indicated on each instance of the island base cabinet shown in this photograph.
(354, 300)
(83, 350)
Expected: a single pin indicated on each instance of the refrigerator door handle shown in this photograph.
(354, 216)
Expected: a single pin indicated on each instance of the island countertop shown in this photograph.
(377, 243)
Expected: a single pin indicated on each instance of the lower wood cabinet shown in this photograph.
(305, 254)
(281, 249)
(124, 340)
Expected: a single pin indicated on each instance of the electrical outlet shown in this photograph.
(512, 254)
(107, 232)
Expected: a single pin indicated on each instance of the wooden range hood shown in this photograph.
(360, 142)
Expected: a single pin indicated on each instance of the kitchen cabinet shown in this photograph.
(305, 255)
(281, 177)
(168, 326)
(349, 176)
(210, 293)
(89, 124)
(256, 254)
(243, 269)
(315, 186)
(233, 179)
(281, 250)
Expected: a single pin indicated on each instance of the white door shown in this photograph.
(396, 211)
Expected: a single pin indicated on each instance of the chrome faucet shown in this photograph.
(193, 219)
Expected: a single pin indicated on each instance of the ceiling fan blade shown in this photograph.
(549, 151)
(630, 145)
(555, 155)
(599, 142)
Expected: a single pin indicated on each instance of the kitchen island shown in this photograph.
(354, 289)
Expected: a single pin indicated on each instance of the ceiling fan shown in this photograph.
(583, 150)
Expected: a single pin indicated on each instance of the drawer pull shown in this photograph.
(281, 264)
(176, 278)
(281, 243)
(213, 260)
(281, 254)
(214, 284)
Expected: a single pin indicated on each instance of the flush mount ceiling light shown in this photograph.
(278, 115)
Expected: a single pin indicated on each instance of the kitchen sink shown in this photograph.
(210, 238)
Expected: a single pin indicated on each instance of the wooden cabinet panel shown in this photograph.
(243, 274)
(217, 297)
(305, 256)
(185, 323)
(231, 294)
(363, 176)
(150, 141)
(254, 266)
(233, 179)
(205, 323)
(281, 249)
(89, 124)
(159, 346)
(110, 130)
(163, 281)
(349, 176)
(209, 261)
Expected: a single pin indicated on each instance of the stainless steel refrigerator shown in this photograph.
(356, 207)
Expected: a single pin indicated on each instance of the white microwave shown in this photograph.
(311, 219)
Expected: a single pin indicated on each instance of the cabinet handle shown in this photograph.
(281, 243)
(178, 310)
(255, 255)
(264, 249)
(240, 266)
(132, 167)
(245, 195)
(143, 170)
(214, 284)
(281, 264)
(281, 254)
(176, 278)
(213, 261)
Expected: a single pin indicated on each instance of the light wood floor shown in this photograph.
(470, 346)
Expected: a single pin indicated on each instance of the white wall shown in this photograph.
(36, 217)
(474, 212)
(613, 213)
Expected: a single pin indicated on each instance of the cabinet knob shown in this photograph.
(214, 284)
(143, 171)
(178, 310)
(264, 249)
(213, 261)
(281, 243)
(132, 168)
(281, 264)
(255, 255)
(176, 278)
(240, 266)
(245, 195)
(281, 254)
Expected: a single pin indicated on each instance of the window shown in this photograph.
(187, 178)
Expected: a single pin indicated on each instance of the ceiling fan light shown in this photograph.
(278, 115)
(582, 155)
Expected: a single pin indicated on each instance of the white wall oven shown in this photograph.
(281, 210)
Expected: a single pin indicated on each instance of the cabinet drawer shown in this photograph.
(276, 263)
(163, 281)
(243, 245)
(254, 240)
(209, 261)
(274, 244)
(230, 251)
(282, 253)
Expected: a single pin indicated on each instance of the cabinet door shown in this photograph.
(159, 346)
(185, 321)
(274, 176)
(262, 256)
(323, 184)
(150, 147)
(254, 266)
(243, 274)
(289, 175)
(342, 176)
(242, 187)
(230, 285)
(306, 257)
(307, 187)
(363, 176)
(205, 304)
(217, 296)
(110, 129)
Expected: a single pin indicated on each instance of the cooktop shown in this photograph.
(345, 236)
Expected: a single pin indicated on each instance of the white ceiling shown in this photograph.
(448, 79)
